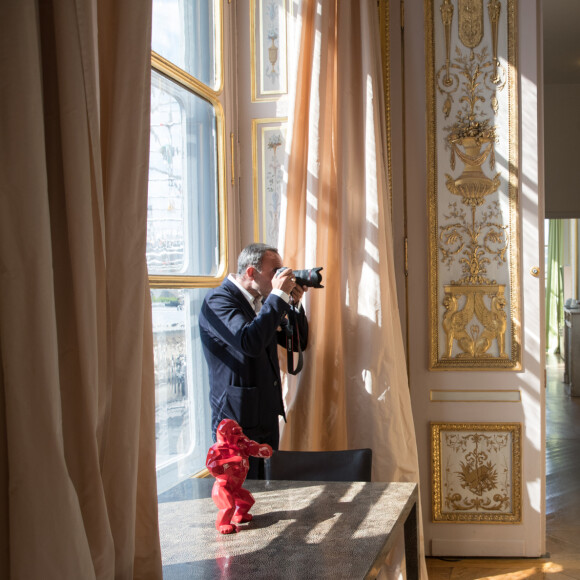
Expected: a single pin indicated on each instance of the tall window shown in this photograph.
(186, 246)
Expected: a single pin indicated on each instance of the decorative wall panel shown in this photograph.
(476, 472)
(268, 46)
(268, 146)
(473, 185)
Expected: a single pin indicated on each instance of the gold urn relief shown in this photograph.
(472, 139)
(473, 185)
(273, 52)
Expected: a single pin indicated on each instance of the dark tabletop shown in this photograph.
(300, 530)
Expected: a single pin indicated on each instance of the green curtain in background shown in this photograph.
(554, 285)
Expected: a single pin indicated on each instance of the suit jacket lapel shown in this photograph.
(246, 306)
(272, 352)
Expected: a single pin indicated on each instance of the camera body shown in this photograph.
(311, 277)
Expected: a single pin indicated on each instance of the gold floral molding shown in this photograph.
(473, 202)
(476, 472)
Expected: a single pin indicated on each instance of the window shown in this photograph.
(186, 242)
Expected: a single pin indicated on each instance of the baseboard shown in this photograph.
(479, 548)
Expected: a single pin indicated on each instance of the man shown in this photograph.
(240, 344)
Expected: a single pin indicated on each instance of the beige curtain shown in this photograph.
(353, 391)
(77, 438)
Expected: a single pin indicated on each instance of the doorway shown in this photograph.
(562, 407)
(561, 121)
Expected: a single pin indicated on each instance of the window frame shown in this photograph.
(216, 98)
(190, 83)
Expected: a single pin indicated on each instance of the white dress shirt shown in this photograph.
(256, 302)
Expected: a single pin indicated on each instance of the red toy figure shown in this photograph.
(227, 461)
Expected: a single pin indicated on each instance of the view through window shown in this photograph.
(185, 233)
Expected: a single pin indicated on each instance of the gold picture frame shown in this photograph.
(268, 155)
(473, 199)
(476, 472)
(269, 49)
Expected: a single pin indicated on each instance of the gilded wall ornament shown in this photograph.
(473, 203)
(472, 139)
(476, 472)
(487, 324)
(494, 10)
(447, 18)
(470, 22)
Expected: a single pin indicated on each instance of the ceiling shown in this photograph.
(561, 20)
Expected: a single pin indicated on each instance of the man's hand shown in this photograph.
(297, 293)
(284, 281)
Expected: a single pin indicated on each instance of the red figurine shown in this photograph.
(227, 461)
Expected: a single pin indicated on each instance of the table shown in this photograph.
(300, 530)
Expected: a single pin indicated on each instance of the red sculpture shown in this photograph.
(227, 461)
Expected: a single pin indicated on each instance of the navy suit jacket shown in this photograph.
(241, 351)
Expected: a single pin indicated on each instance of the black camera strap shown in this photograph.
(293, 338)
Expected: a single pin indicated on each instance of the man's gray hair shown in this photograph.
(253, 255)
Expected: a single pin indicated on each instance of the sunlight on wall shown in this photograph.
(535, 493)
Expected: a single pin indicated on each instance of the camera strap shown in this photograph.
(293, 338)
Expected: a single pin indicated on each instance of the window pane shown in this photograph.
(184, 32)
(182, 216)
(182, 421)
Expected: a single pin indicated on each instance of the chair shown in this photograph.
(346, 465)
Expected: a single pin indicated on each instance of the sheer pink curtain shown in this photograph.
(77, 468)
(353, 391)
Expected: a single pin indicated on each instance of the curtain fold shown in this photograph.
(554, 286)
(77, 479)
(353, 391)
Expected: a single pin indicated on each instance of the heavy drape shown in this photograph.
(353, 391)
(77, 438)
(554, 286)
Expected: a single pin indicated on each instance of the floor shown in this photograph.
(562, 500)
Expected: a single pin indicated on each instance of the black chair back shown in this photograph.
(345, 465)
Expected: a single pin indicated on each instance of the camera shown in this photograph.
(311, 278)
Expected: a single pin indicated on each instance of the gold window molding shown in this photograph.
(473, 204)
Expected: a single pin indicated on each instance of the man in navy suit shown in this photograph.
(240, 344)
